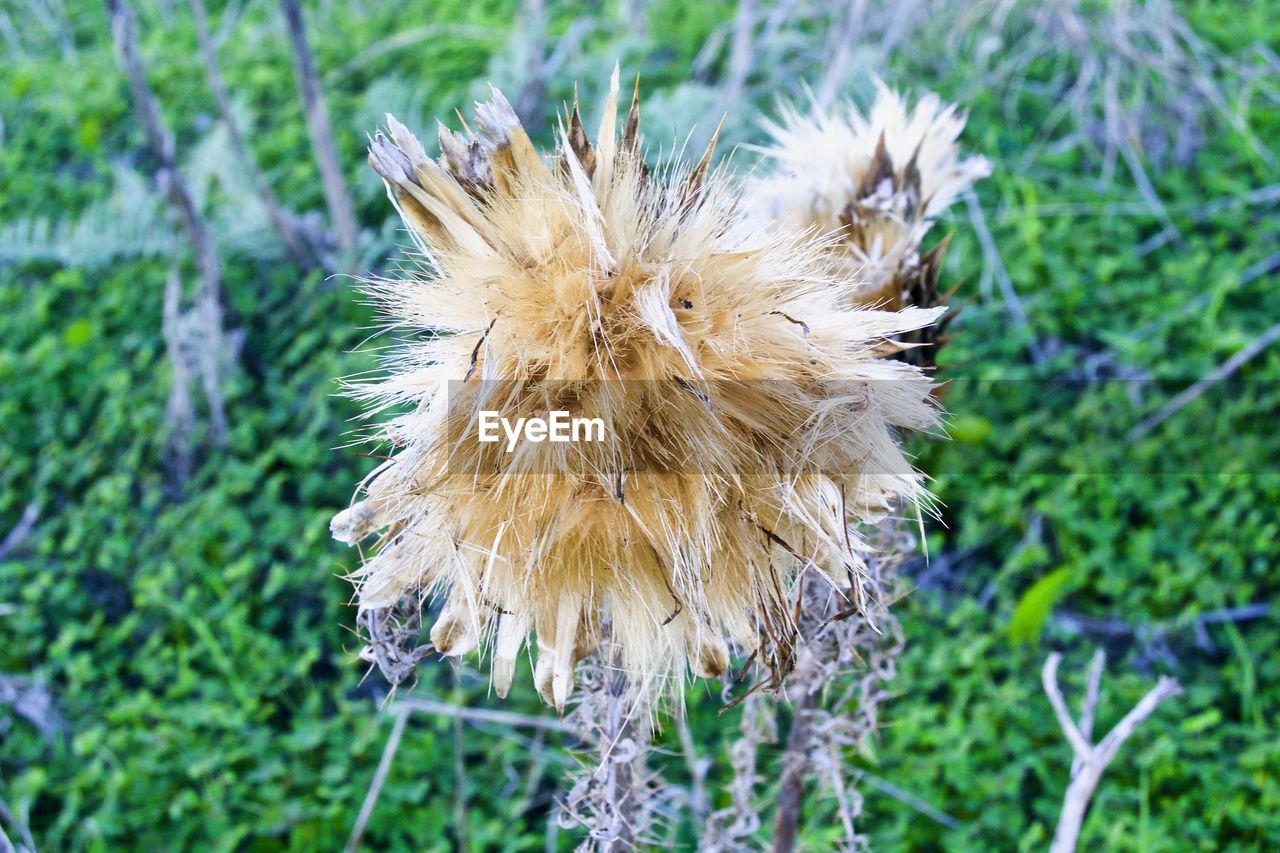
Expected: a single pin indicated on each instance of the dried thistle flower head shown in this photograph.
(879, 181)
(749, 422)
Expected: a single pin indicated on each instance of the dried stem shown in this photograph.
(202, 329)
(698, 767)
(21, 530)
(459, 776)
(1091, 760)
(533, 31)
(481, 715)
(160, 142)
(280, 218)
(908, 799)
(616, 799)
(180, 413)
(845, 40)
(741, 55)
(729, 829)
(341, 212)
(795, 766)
(995, 264)
(24, 832)
(1219, 373)
(379, 778)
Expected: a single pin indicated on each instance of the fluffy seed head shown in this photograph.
(750, 424)
(878, 180)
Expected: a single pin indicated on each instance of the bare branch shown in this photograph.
(180, 417)
(1090, 761)
(341, 212)
(206, 320)
(403, 709)
(280, 219)
(532, 32)
(845, 43)
(379, 778)
(482, 715)
(632, 14)
(1165, 688)
(908, 799)
(741, 56)
(160, 142)
(698, 767)
(459, 787)
(1222, 371)
(1089, 704)
(795, 765)
(1093, 684)
(21, 530)
(728, 829)
(1232, 614)
(616, 796)
(1098, 627)
(1049, 677)
(1145, 187)
(995, 264)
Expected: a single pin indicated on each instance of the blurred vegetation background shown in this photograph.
(178, 661)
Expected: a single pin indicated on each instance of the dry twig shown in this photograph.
(161, 144)
(283, 221)
(908, 799)
(28, 844)
(996, 267)
(795, 767)
(392, 635)
(342, 214)
(33, 702)
(698, 769)
(180, 413)
(1219, 373)
(482, 715)
(741, 55)
(379, 778)
(21, 530)
(204, 323)
(731, 828)
(403, 709)
(617, 798)
(1155, 640)
(845, 41)
(1090, 760)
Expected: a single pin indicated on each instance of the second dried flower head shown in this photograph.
(877, 181)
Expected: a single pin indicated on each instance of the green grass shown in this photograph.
(199, 651)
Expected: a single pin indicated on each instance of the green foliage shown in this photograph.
(200, 652)
(1033, 609)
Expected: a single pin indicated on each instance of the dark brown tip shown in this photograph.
(631, 135)
(881, 170)
(698, 177)
(911, 183)
(578, 141)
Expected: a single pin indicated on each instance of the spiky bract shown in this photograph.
(750, 424)
(878, 181)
